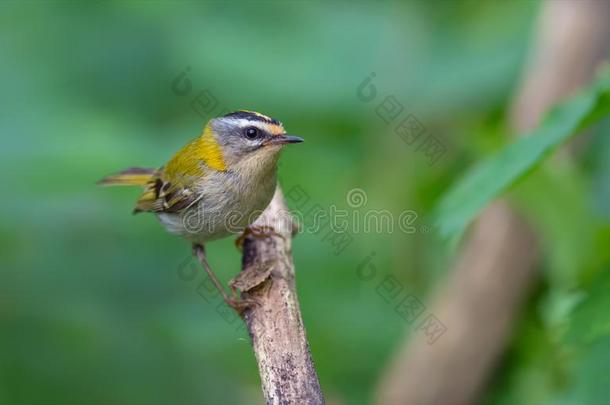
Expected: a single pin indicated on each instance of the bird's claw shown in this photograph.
(258, 231)
(240, 305)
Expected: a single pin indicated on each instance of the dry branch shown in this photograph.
(274, 322)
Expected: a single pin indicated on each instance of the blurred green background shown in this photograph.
(92, 306)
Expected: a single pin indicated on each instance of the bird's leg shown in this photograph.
(239, 305)
(199, 251)
(258, 231)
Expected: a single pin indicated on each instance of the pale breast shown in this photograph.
(228, 203)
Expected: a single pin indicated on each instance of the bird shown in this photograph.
(216, 185)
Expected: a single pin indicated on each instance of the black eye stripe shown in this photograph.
(253, 117)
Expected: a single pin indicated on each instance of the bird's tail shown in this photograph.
(134, 176)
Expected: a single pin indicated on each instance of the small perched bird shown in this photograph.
(216, 185)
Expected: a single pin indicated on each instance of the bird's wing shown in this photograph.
(172, 188)
(164, 195)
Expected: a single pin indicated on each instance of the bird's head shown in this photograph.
(248, 139)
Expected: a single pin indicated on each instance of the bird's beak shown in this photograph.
(284, 139)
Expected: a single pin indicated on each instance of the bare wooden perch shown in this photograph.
(274, 323)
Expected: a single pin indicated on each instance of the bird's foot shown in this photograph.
(240, 305)
(258, 231)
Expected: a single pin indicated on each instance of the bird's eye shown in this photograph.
(252, 133)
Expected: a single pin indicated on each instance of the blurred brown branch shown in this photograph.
(480, 301)
(274, 322)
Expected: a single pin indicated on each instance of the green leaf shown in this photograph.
(492, 176)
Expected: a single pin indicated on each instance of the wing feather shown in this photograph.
(162, 195)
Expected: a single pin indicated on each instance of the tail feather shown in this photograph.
(134, 176)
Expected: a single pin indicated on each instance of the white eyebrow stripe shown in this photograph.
(242, 122)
